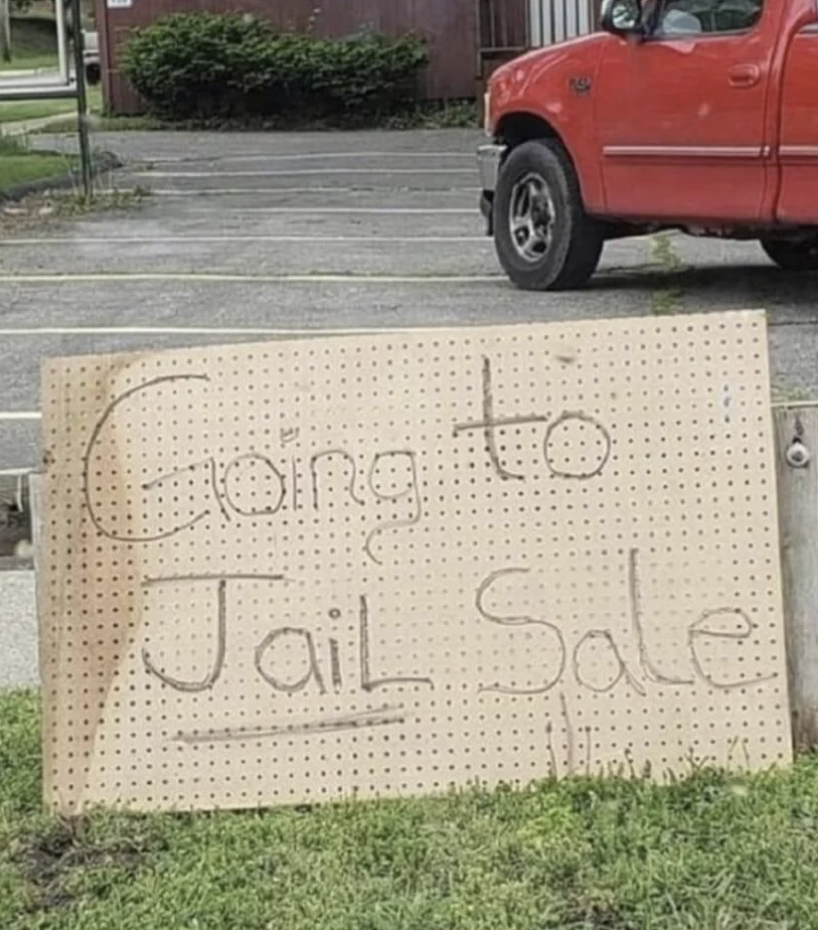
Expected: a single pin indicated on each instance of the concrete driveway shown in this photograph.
(251, 233)
(248, 234)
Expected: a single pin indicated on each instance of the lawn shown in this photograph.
(708, 853)
(33, 43)
(19, 169)
(30, 62)
(19, 165)
(34, 109)
(37, 109)
(108, 124)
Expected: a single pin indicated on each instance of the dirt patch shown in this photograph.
(47, 859)
(38, 210)
(47, 212)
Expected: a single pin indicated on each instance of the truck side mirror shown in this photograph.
(622, 17)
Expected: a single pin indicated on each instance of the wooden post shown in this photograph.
(796, 428)
(35, 498)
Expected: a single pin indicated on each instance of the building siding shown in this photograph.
(448, 25)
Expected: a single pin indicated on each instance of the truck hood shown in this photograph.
(530, 67)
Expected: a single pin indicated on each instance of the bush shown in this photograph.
(205, 66)
(370, 72)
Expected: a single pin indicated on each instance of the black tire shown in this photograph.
(575, 242)
(793, 254)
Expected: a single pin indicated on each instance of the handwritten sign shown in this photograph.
(384, 564)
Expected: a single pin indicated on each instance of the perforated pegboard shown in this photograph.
(386, 563)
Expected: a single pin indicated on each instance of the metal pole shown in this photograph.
(5, 31)
(797, 467)
(82, 99)
(62, 52)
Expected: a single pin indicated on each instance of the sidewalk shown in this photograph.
(25, 72)
(32, 125)
(18, 630)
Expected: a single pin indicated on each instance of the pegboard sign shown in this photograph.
(384, 564)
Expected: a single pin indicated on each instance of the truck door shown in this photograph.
(798, 152)
(681, 115)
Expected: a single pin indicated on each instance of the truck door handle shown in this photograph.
(744, 75)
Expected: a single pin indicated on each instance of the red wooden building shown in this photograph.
(467, 37)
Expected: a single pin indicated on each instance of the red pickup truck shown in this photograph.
(698, 115)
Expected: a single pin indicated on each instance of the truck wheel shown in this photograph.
(544, 239)
(793, 254)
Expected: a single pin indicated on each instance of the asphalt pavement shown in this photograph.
(247, 235)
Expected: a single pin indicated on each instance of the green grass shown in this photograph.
(791, 394)
(31, 166)
(108, 124)
(38, 109)
(33, 43)
(34, 109)
(26, 62)
(456, 115)
(708, 853)
(666, 301)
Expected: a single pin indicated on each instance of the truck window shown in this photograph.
(697, 17)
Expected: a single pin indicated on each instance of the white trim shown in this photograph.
(683, 151)
(798, 151)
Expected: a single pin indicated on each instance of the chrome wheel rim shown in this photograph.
(531, 218)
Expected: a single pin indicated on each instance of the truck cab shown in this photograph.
(696, 115)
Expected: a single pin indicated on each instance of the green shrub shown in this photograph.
(369, 72)
(191, 65)
(226, 66)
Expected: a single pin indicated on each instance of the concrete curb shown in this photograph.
(106, 161)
